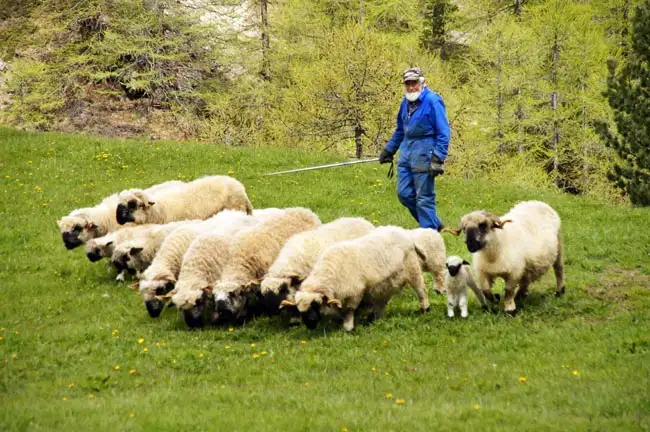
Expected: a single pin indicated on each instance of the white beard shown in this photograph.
(412, 96)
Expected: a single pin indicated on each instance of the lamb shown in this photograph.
(519, 247)
(298, 256)
(136, 254)
(198, 199)
(254, 251)
(87, 223)
(458, 278)
(162, 274)
(371, 269)
(431, 249)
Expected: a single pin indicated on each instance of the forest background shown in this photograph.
(524, 81)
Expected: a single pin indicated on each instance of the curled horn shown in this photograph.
(501, 222)
(164, 298)
(454, 232)
(334, 302)
(284, 303)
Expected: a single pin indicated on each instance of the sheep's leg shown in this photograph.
(439, 276)
(462, 303)
(478, 293)
(348, 320)
(558, 268)
(451, 304)
(522, 293)
(509, 301)
(416, 280)
(485, 283)
(378, 309)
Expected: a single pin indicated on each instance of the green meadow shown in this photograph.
(78, 350)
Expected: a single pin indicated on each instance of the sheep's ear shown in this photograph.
(335, 302)
(91, 226)
(109, 243)
(136, 250)
(454, 232)
(151, 203)
(295, 281)
(465, 262)
(284, 303)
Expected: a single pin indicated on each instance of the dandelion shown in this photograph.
(477, 406)
(400, 401)
(7, 177)
(116, 332)
(230, 172)
(303, 342)
(14, 356)
(132, 372)
(132, 415)
(38, 188)
(200, 356)
(91, 396)
(65, 398)
(173, 361)
(523, 380)
(252, 345)
(374, 369)
(223, 386)
(385, 342)
(256, 356)
(71, 385)
(2, 338)
(227, 347)
(575, 372)
(230, 330)
(388, 395)
(263, 353)
(386, 373)
(375, 221)
(344, 429)
(141, 340)
(29, 162)
(16, 332)
(145, 350)
(2, 329)
(117, 367)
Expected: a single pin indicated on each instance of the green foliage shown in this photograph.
(65, 324)
(438, 17)
(627, 93)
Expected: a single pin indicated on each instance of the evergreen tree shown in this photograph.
(629, 95)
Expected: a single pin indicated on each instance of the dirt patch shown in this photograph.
(616, 284)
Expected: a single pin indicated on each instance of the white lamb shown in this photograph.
(519, 247)
(254, 251)
(164, 270)
(371, 269)
(136, 254)
(87, 223)
(198, 199)
(298, 256)
(458, 278)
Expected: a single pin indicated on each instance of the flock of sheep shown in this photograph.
(201, 247)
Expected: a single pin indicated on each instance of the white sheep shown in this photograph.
(136, 254)
(87, 223)
(254, 251)
(519, 247)
(198, 199)
(431, 249)
(457, 279)
(164, 270)
(299, 254)
(103, 247)
(371, 269)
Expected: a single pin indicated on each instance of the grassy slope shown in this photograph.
(586, 357)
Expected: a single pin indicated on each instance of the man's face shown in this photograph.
(413, 86)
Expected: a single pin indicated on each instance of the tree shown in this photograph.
(628, 95)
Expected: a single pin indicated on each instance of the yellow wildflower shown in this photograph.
(477, 406)
(132, 415)
(141, 340)
(91, 396)
(256, 355)
(523, 380)
(400, 401)
(132, 372)
(303, 342)
(374, 369)
(231, 329)
(71, 385)
(575, 372)
(388, 395)
(65, 398)
(117, 367)
(252, 345)
(116, 332)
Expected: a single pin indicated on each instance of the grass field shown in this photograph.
(79, 352)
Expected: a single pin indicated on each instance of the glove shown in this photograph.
(385, 157)
(437, 166)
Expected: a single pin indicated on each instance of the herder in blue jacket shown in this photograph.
(422, 137)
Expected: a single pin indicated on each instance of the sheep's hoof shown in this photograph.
(425, 310)
(497, 298)
(485, 308)
(560, 293)
(512, 313)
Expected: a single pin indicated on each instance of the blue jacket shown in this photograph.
(426, 133)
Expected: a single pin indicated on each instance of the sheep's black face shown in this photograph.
(94, 255)
(71, 238)
(124, 213)
(121, 263)
(453, 269)
(194, 316)
(312, 316)
(228, 307)
(154, 307)
(475, 237)
(272, 300)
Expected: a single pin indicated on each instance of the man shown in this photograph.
(422, 137)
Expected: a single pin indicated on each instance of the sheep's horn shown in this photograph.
(335, 302)
(135, 285)
(501, 223)
(455, 232)
(284, 303)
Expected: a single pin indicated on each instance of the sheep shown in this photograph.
(519, 247)
(198, 199)
(136, 254)
(431, 249)
(87, 223)
(164, 270)
(254, 251)
(103, 247)
(298, 256)
(457, 278)
(371, 269)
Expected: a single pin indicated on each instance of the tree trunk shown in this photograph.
(359, 131)
(266, 40)
(556, 130)
(499, 100)
(518, 8)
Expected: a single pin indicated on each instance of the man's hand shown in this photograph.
(385, 157)
(437, 166)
